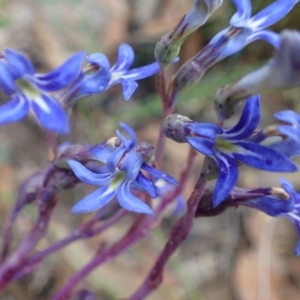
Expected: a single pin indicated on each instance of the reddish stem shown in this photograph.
(178, 234)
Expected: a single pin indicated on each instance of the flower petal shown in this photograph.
(129, 87)
(287, 147)
(131, 164)
(248, 121)
(243, 13)
(53, 117)
(87, 176)
(63, 76)
(142, 72)
(288, 116)
(129, 202)
(157, 173)
(287, 130)
(95, 200)
(14, 110)
(6, 79)
(132, 136)
(267, 35)
(20, 63)
(99, 59)
(272, 13)
(125, 58)
(205, 130)
(146, 184)
(228, 175)
(263, 158)
(203, 145)
(114, 159)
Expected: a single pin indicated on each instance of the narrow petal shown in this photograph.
(267, 35)
(263, 158)
(131, 165)
(125, 58)
(99, 152)
(203, 145)
(54, 117)
(63, 75)
(287, 147)
(99, 59)
(114, 159)
(288, 116)
(129, 202)
(287, 130)
(14, 110)
(146, 184)
(142, 72)
(122, 139)
(248, 121)
(243, 13)
(87, 176)
(132, 136)
(95, 200)
(92, 84)
(228, 175)
(157, 173)
(205, 130)
(129, 87)
(297, 250)
(6, 79)
(288, 187)
(20, 63)
(272, 13)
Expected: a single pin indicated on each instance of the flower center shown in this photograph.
(118, 178)
(224, 145)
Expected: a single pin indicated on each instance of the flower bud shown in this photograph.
(168, 47)
(174, 129)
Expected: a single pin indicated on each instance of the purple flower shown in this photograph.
(101, 76)
(229, 147)
(121, 173)
(31, 91)
(276, 206)
(242, 31)
(281, 72)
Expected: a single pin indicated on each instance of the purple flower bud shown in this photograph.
(173, 127)
(168, 47)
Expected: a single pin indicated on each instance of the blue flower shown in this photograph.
(290, 124)
(31, 91)
(102, 77)
(245, 29)
(275, 206)
(229, 147)
(121, 173)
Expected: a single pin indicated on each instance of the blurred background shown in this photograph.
(239, 255)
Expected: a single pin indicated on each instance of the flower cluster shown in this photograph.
(121, 172)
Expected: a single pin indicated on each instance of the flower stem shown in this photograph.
(139, 229)
(178, 234)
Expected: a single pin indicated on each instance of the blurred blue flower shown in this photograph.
(275, 206)
(31, 91)
(228, 147)
(290, 124)
(102, 77)
(121, 173)
(245, 29)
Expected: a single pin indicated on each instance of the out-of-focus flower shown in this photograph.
(282, 71)
(230, 147)
(168, 46)
(31, 91)
(99, 76)
(242, 31)
(121, 173)
(276, 206)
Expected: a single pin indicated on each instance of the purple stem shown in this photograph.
(27, 193)
(140, 228)
(178, 234)
(83, 231)
(13, 263)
